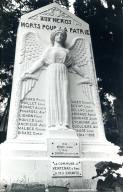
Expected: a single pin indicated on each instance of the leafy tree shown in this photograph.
(10, 13)
(9, 22)
(111, 179)
(106, 26)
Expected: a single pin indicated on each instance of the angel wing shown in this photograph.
(79, 56)
(30, 52)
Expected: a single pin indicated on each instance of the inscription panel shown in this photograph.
(47, 27)
(32, 116)
(84, 119)
(66, 168)
(60, 147)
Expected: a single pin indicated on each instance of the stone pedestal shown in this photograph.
(59, 160)
(99, 149)
(52, 171)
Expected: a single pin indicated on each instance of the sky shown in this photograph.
(71, 4)
(72, 1)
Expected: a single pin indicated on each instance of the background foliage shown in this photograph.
(109, 178)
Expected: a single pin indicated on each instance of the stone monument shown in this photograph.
(55, 130)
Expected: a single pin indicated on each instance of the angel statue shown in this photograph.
(58, 60)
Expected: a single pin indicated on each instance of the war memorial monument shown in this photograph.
(55, 130)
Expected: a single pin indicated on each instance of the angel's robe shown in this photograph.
(58, 107)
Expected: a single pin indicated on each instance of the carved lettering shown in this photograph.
(64, 148)
(52, 27)
(66, 168)
(55, 20)
(30, 25)
(48, 27)
(32, 117)
(84, 119)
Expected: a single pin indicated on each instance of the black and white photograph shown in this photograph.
(61, 96)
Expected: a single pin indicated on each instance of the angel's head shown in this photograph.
(59, 36)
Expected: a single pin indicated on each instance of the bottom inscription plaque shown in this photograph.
(66, 168)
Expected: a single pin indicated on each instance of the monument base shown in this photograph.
(25, 149)
(28, 163)
(56, 160)
(99, 149)
(30, 170)
(40, 170)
